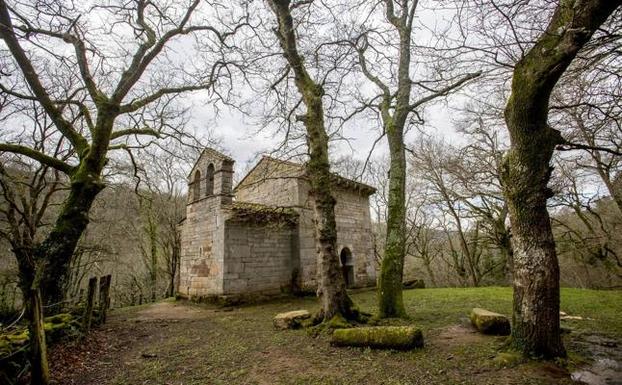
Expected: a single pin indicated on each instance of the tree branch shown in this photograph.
(137, 104)
(7, 33)
(444, 91)
(569, 146)
(38, 156)
(135, 131)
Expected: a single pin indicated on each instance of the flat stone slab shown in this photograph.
(379, 337)
(290, 319)
(489, 322)
(414, 284)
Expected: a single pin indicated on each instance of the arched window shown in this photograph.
(196, 186)
(209, 180)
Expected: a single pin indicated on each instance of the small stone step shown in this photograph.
(489, 322)
(290, 319)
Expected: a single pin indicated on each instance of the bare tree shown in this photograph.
(163, 204)
(526, 172)
(331, 288)
(98, 109)
(586, 232)
(435, 167)
(398, 102)
(94, 107)
(28, 192)
(423, 241)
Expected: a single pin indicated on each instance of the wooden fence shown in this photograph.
(103, 302)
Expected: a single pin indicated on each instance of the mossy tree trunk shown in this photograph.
(97, 116)
(58, 247)
(331, 286)
(395, 107)
(390, 301)
(526, 172)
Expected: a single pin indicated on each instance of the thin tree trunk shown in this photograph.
(174, 265)
(390, 300)
(428, 268)
(331, 286)
(38, 351)
(525, 173)
(29, 273)
(391, 303)
(154, 267)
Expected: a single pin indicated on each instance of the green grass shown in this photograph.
(432, 308)
(242, 347)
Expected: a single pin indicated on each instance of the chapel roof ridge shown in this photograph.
(338, 179)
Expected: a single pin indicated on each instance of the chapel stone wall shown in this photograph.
(258, 258)
(202, 240)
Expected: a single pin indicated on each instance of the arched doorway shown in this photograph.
(347, 266)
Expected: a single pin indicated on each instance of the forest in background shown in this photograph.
(453, 229)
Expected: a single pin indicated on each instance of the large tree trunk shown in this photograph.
(525, 173)
(390, 301)
(331, 286)
(58, 248)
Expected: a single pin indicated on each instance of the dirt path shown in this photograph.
(182, 344)
(167, 311)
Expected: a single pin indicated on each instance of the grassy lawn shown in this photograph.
(432, 308)
(180, 343)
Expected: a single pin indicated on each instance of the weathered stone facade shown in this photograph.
(259, 238)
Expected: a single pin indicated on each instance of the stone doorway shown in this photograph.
(347, 266)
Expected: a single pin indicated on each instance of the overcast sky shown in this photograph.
(243, 141)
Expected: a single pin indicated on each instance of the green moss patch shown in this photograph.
(380, 337)
(489, 322)
(508, 359)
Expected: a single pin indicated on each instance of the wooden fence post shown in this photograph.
(90, 300)
(38, 350)
(108, 283)
(104, 296)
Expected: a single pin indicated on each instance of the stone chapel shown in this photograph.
(258, 238)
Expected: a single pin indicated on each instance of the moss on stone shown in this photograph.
(508, 359)
(489, 322)
(20, 338)
(337, 322)
(381, 337)
(59, 318)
